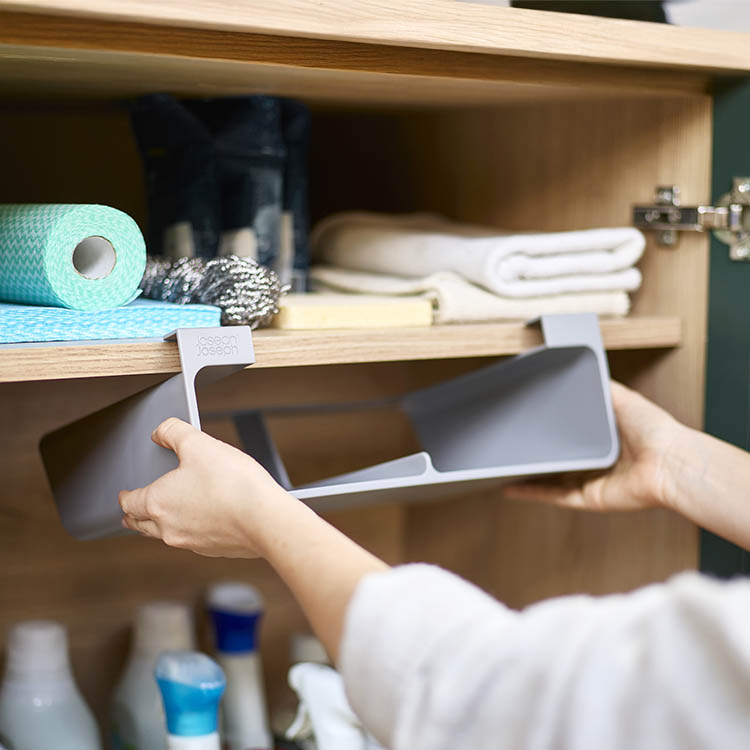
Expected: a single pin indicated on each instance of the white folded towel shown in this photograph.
(456, 300)
(511, 265)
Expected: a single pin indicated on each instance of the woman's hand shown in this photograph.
(215, 503)
(221, 503)
(641, 478)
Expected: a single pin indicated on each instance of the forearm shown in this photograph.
(708, 481)
(321, 566)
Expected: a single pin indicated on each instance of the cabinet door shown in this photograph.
(728, 353)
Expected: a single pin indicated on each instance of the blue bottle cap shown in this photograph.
(191, 687)
(235, 609)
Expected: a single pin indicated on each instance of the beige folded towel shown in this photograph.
(455, 300)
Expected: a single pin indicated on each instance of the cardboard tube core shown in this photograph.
(94, 257)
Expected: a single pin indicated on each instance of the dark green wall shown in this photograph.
(728, 352)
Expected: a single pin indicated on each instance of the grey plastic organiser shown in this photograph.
(545, 411)
(89, 461)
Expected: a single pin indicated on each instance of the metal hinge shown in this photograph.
(729, 220)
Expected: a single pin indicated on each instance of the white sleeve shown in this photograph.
(430, 662)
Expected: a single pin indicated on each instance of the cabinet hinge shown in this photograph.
(729, 219)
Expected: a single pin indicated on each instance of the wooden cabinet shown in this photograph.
(518, 119)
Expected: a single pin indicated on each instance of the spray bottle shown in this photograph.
(191, 687)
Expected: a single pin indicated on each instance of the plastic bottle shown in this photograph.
(191, 687)
(137, 716)
(40, 705)
(305, 647)
(236, 609)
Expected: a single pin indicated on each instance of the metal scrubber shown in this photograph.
(247, 292)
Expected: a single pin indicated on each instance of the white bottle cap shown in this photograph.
(37, 647)
(305, 647)
(163, 626)
(234, 596)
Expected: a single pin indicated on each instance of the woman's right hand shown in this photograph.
(219, 502)
(642, 476)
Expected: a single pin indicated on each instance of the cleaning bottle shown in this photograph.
(137, 717)
(236, 609)
(40, 705)
(191, 687)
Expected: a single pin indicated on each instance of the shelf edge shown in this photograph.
(310, 348)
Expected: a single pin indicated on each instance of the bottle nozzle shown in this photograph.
(191, 686)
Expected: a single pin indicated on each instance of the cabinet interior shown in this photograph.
(542, 163)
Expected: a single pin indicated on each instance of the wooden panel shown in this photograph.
(432, 24)
(31, 72)
(57, 55)
(70, 153)
(522, 553)
(301, 348)
(288, 389)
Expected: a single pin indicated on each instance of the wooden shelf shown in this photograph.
(445, 25)
(298, 348)
(427, 52)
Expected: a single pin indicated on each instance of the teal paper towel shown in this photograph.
(84, 257)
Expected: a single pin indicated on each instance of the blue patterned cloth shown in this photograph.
(139, 319)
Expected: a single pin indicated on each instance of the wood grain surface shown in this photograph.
(43, 55)
(275, 348)
(432, 24)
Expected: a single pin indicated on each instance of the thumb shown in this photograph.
(622, 395)
(172, 434)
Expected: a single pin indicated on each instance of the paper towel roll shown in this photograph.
(85, 257)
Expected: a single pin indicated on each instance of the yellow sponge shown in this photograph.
(328, 310)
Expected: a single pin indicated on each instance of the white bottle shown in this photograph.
(236, 609)
(40, 705)
(137, 716)
(305, 647)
